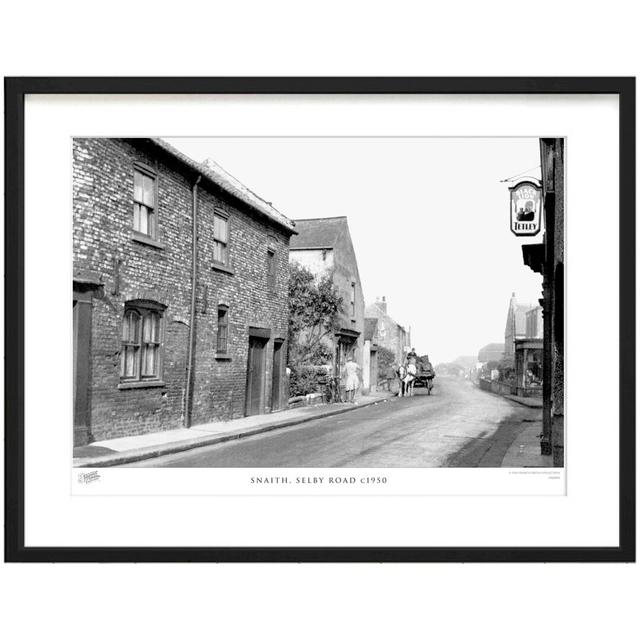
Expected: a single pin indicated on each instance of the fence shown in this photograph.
(508, 389)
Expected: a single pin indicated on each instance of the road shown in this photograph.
(457, 426)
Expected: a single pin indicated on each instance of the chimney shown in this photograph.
(382, 304)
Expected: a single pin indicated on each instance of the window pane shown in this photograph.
(222, 329)
(130, 327)
(137, 186)
(148, 191)
(224, 225)
(220, 228)
(220, 252)
(155, 324)
(222, 338)
(143, 220)
(134, 332)
(147, 329)
(136, 216)
(130, 362)
(149, 360)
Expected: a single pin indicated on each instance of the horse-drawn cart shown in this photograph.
(415, 374)
(424, 377)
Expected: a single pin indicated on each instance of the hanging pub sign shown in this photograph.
(526, 208)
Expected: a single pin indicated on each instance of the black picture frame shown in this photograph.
(15, 91)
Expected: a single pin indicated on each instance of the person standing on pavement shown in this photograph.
(350, 372)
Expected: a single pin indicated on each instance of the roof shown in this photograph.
(319, 233)
(219, 176)
(370, 327)
(374, 310)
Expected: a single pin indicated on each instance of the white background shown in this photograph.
(586, 516)
(319, 601)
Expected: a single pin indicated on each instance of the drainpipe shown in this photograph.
(192, 311)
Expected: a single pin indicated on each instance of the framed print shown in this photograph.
(320, 319)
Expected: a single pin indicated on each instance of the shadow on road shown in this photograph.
(483, 451)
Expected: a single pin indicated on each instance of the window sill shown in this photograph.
(141, 384)
(222, 356)
(143, 239)
(216, 266)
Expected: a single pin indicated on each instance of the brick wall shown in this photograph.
(105, 250)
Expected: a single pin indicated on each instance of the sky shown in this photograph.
(429, 220)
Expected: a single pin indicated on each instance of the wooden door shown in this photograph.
(276, 377)
(81, 368)
(255, 376)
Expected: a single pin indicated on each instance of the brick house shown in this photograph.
(180, 279)
(324, 246)
(389, 333)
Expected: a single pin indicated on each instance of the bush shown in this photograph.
(306, 379)
(386, 360)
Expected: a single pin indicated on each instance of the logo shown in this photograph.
(526, 208)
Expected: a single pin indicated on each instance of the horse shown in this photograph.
(407, 377)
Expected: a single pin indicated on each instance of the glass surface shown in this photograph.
(148, 191)
(143, 228)
(219, 252)
(220, 228)
(137, 186)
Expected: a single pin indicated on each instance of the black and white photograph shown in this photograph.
(320, 320)
(318, 302)
(321, 326)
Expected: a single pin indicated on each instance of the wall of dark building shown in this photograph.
(557, 301)
(126, 269)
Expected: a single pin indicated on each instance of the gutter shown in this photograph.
(192, 311)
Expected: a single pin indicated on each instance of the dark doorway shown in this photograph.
(255, 376)
(276, 376)
(344, 349)
(81, 367)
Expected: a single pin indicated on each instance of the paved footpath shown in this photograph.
(458, 425)
(118, 451)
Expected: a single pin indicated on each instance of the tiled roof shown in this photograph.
(319, 233)
(214, 172)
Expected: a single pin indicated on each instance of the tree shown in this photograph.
(386, 360)
(314, 308)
